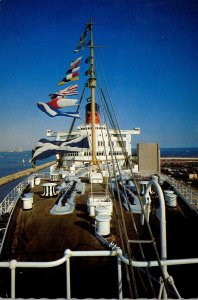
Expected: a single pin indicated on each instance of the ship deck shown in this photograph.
(37, 235)
(41, 236)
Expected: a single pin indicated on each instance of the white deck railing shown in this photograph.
(191, 196)
(9, 202)
(13, 265)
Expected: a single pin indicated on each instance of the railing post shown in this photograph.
(163, 241)
(119, 265)
(68, 278)
(13, 277)
(68, 281)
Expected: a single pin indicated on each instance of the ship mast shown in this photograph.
(92, 85)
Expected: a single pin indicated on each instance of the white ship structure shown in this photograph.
(103, 149)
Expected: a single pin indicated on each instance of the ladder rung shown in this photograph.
(140, 241)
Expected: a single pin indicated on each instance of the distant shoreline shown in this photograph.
(179, 158)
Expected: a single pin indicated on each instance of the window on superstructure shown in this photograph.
(100, 143)
(99, 153)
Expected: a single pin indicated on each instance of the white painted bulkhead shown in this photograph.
(103, 148)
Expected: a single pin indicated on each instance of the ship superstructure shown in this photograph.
(121, 143)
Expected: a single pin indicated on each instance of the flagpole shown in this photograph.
(92, 85)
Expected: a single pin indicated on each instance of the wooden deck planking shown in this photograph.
(39, 235)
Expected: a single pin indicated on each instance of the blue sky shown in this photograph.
(150, 62)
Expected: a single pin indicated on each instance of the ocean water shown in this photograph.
(176, 152)
(12, 162)
(179, 152)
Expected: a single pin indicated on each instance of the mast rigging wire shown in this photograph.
(148, 226)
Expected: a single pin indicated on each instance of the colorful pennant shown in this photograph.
(69, 91)
(69, 77)
(46, 148)
(52, 112)
(61, 102)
